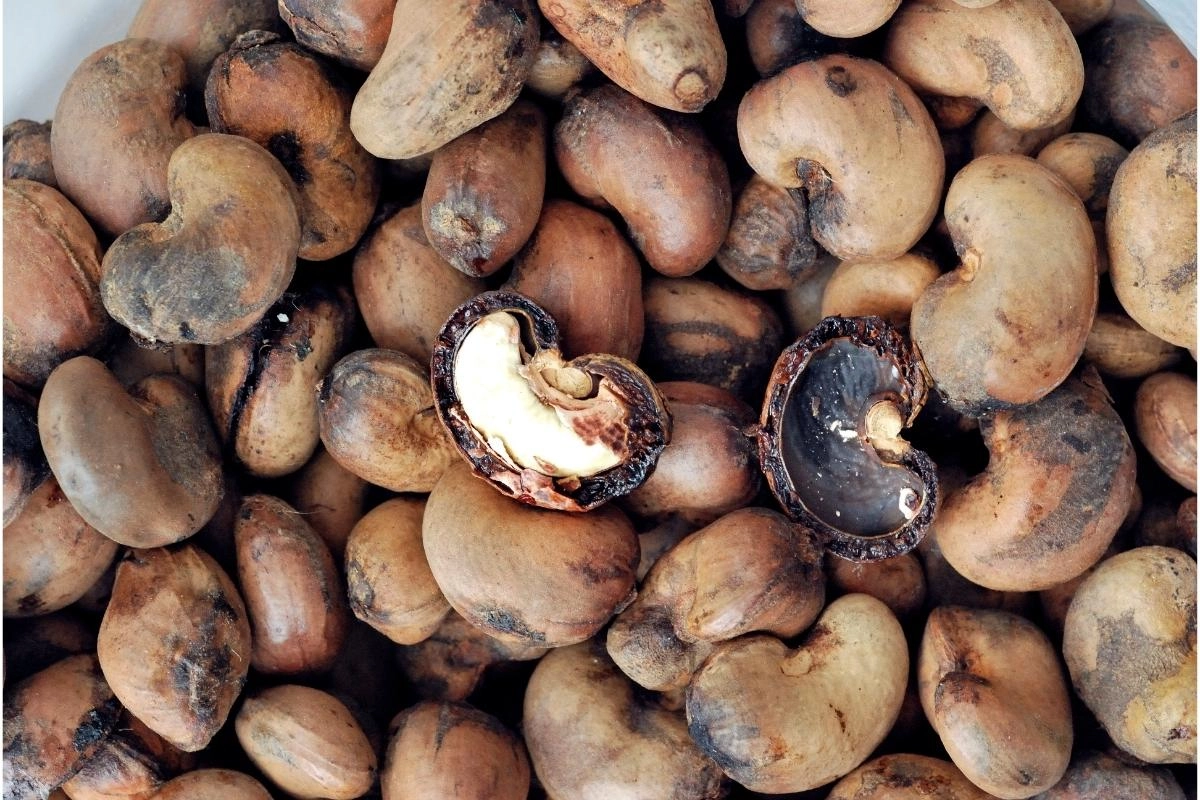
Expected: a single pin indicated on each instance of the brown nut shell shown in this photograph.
(885, 289)
(34, 643)
(873, 495)
(306, 742)
(451, 750)
(847, 131)
(484, 192)
(903, 776)
(175, 643)
(781, 720)
(330, 497)
(390, 585)
(51, 276)
(131, 764)
(54, 721)
(579, 705)
(668, 52)
(1101, 775)
(1017, 57)
(898, 581)
(1151, 227)
(846, 20)
(141, 466)
(1119, 347)
(377, 420)
(446, 69)
(224, 189)
(27, 152)
(213, 784)
(352, 32)
(988, 341)
(602, 402)
(769, 244)
(1130, 647)
(293, 593)
(557, 66)
(525, 574)
(1165, 415)
(992, 687)
(118, 120)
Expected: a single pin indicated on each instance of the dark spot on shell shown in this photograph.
(290, 152)
(186, 332)
(840, 81)
(507, 622)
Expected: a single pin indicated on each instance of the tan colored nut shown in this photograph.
(293, 593)
(141, 466)
(306, 742)
(847, 19)
(27, 152)
(118, 121)
(899, 581)
(1152, 233)
(878, 288)
(655, 543)
(990, 135)
(213, 784)
(451, 750)
(1083, 15)
(353, 32)
(769, 244)
(987, 340)
(1130, 647)
(907, 777)
(1102, 775)
(816, 712)
(174, 643)
(132, 763)
(396, 260)
(1017, 57)
(1088, 163)
(1119, 347)
(992, 687)
(132, 360)
(330, 497)
(803, 299)
(669, 54)
(847, 131)
(676, 204)
(578, 705)
(391, 587)
(557, 66)
(524, 574)
(52, 277)
(484, 192)
(51, 555)
(945, 586)
(1165, 414)
(446, 69)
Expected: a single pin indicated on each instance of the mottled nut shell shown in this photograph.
(1119, 347)
(1093, 775)
(293, 593)
(668, 53)
(140, 465)
(1088, 163)
(484, 192)
(1165, 415)
(353, 32)
(404, 289)
(25, 464)
(213, 784)
(1130, 645)
(906, 777)
(388, 578)
(119, 119)
(131, 764)
(769, 244)
(330, 497)
(448, 750)
(51, 276)
(990, 135)
(167, 282)
(557, 66)
(378, 421)
(579, 267)
(1151, 228)
(446, 69)
(306, 742)
(54, 721)
(27, 152)
(293, 104)
(51, 555)
(525, 574)
(175, 643)
(645, 431)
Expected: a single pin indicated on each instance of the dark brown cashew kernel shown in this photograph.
(560, 434)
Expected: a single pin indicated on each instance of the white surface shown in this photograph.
(44, 40)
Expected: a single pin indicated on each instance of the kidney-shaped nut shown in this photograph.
(118, 120)
(1165, 415)
(306, 742)
(1010, 323)
(830, 443)
(992, 688)
(751, 570)
(669, 54)
(525, 574)
(787, 720)
(353, 32)
(559, 434)
(131, 764)
(857, 140)
(1130, 645)
(51, 277)
(140, 465)
(27, 152)
(51, 555)
(449, 750)
(1057, 487)
(1151, 228)
(447, 68)
(676, 203)
(377, 420)
(223, 256)
(578, 705)
(1017, 57)
(174, 643)
(903, 776)
(213, 784)
(390, 585)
